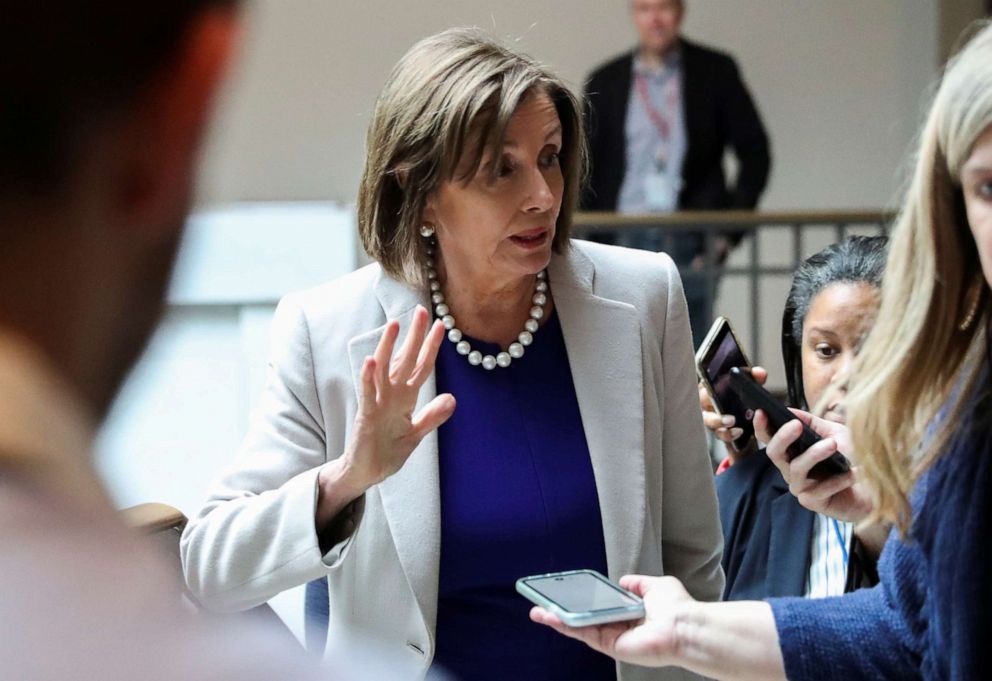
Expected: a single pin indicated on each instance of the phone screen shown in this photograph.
(722, 355)
(581, 592)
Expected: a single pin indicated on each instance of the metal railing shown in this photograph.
(713, 225)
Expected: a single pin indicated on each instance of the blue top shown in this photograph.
(930, 615)
(518, 498)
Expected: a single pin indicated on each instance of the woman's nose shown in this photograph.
(540, 198)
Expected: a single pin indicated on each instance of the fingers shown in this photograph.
(777, 447)
(407, 355)
(589, 635)
(638, 584)
(433, 414)
(776, 443)
(367, 398)
(383, 353)
(705, 402)
(803, 463)
(428, 355)
(759, 374)
(819, 494)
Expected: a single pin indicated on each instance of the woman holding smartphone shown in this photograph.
(922, 377)
(773, 546)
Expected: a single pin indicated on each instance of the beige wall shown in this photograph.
(839, 82)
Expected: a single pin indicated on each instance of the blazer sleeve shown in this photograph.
(256, 534)
(690, 534)
(747, 137)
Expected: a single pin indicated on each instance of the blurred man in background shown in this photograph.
(660, 119)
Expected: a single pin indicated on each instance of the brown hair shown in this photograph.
(448, 101)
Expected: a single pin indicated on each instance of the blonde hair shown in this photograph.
(445, 104)
(918, 371)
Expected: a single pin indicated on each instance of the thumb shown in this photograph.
(433, 414)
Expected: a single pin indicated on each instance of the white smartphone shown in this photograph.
(581, 598)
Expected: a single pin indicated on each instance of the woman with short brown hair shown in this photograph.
(576, 442)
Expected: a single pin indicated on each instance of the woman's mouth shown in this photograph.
(533, 238)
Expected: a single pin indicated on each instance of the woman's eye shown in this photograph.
(504, 169)
(550, 160)
(825, 351)
(985, 190)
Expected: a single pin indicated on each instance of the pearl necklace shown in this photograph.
(462, 346)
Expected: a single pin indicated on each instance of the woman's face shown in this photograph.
(976, 182)
(501, 227)
(837, 319)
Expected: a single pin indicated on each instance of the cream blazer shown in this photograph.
(625, 324)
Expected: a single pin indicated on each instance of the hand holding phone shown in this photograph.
(719, 352)
(581, 598)
(756, 397)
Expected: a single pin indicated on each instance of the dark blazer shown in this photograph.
(719, 113)
(767, 535)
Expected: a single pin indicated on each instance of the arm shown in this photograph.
(269, 520)
(869, 634)
(747, 137)
(718, 640)
(690, 534)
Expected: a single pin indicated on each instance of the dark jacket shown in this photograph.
(719, 114)
(767, 535)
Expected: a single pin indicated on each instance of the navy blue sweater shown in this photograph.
(931, 613)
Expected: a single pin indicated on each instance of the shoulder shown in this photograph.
(609, 69)
(750, 476)
(628, 274)
(345, 306)
(707, 56)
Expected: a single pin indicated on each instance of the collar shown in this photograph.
(46, 429)
(670, 64)
(570, 268)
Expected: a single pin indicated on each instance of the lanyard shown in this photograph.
(657, 119)
(840, 540)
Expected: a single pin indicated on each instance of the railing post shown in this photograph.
(755, 299)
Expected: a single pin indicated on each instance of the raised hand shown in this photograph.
(386, 430)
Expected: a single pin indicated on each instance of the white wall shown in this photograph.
(839, 82)
(185, 408)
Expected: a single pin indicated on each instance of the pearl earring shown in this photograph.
(427, 230)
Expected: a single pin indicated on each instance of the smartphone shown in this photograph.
(754, 396)
(718, 354)
(581, 598)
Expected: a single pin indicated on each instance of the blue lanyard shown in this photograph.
(840, 540)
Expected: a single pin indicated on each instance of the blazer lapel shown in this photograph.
(603, 341)
(411, 498)
(788, 546)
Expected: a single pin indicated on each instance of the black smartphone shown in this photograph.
(755, 397)
(718, 354)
